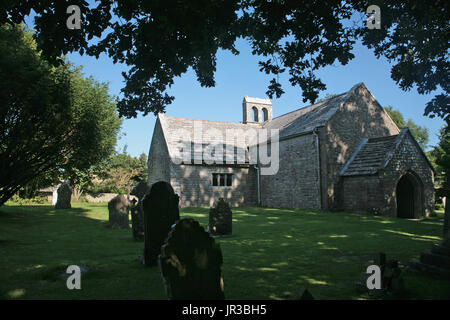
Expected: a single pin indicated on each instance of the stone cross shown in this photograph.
(160, 213)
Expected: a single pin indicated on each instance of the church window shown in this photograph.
(255, 114)
(265, 114)
(222, 179)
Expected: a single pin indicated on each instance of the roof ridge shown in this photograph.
(227, 122)
(377, 139)
(311, 105)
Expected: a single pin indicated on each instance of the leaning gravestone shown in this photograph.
(220, 219)
(160, 213)
(137, 211)
(64, 196)
(190, 263)
(118, 212)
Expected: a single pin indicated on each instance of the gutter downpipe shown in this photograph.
(258, 183)
(319, 173)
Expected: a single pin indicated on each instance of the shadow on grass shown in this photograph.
(271, 254)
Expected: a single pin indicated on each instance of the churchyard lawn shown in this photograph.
(272, 253)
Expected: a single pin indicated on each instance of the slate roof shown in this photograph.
(306, 119)
(374, 154)
(297, 122)
(173, 129)
(370, 156)
(257, 100)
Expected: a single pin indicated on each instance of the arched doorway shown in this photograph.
(409, 196)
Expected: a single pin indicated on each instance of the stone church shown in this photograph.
(342, 153)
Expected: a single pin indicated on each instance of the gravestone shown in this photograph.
(436, 262)
(446, 233)
(160, 213)
(220, 219)
(190, 263)
(64, 192)
(304, 294)
(137, 210)
(118, 212)
(391, 279)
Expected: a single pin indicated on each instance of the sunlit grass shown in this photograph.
(272, 253)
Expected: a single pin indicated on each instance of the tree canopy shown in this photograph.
(53, 121)
(440, 155)
(162, 39)
(420, 133)
(118, 174)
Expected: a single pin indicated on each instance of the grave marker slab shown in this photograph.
(220, 219)
(118, 212)
(160, 213)
(137, 210)
(64, 196)
(190, 263)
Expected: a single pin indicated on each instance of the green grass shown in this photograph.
(271, 254)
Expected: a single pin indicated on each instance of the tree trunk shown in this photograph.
(77, 192)
(446, 218)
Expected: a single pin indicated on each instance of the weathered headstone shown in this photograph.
(118, 212)
(304, 294)
(190, 263)
(64, 196)
(391, 280)
(446, 231)
(220, 219)
(137, 210)
(160, 213)
(436, 262)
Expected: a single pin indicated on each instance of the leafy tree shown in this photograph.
(162, 39)
(441, 157)
(53, 122)
(396, 116)
(419, 132)
(95, 117)
(120, 173)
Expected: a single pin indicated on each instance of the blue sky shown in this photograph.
(238, 76)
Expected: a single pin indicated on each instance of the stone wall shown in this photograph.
(296, 185)
(363, 193)
(408, 158)
(101, 197)
(360, 117)
(193, 183)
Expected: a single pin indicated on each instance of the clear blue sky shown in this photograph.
(238, 76)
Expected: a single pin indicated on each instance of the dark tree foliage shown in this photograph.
(34, 117)
(162, 39)
(54, 123)
(441, 156)
(415, 37)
